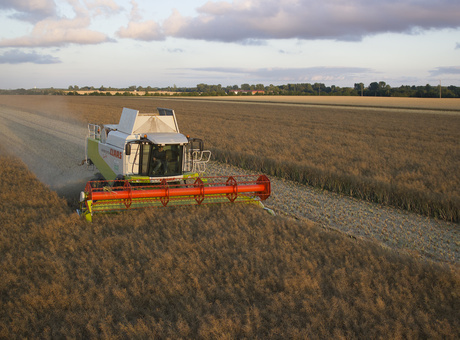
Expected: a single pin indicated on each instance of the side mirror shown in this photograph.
(128, 149)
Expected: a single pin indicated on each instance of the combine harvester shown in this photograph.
(144, 161)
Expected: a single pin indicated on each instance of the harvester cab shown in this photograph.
(127, 150)
(145, 161)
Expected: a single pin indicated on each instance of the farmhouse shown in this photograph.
(247, 91)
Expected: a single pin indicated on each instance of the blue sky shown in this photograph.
(57, 43)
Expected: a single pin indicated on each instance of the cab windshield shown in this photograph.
(159, 161)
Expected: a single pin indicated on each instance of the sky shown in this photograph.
(122, 43)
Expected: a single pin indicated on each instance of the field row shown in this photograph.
(436, 104)
(401, 158)
(204, 272)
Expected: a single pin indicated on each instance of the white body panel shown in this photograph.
(143, 132)
(113, 157)
(167, 138)
(118, 139)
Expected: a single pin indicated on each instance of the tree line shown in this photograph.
(377, 89)
(380, 89)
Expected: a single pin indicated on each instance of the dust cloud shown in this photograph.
(52, 149)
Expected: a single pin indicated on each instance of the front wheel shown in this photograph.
(98, 181)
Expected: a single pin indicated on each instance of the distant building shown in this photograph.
(253, 92)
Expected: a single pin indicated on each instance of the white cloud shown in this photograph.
(147, 31)
(140, 30)
(103, 7)
(51, 32)
(20, 57)
(311, 19)
(135, 14)
(175, 50)
(29, 10)
(292, 74)
(445, 70)
(59, 31)
(175, 23)
(244, 21)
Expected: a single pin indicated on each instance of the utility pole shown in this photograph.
(440, 88)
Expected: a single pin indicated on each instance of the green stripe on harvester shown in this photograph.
(98, 161)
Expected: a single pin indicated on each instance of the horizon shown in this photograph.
(109, 88)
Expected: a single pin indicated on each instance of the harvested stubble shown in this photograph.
(407, 159)
(204, 272)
